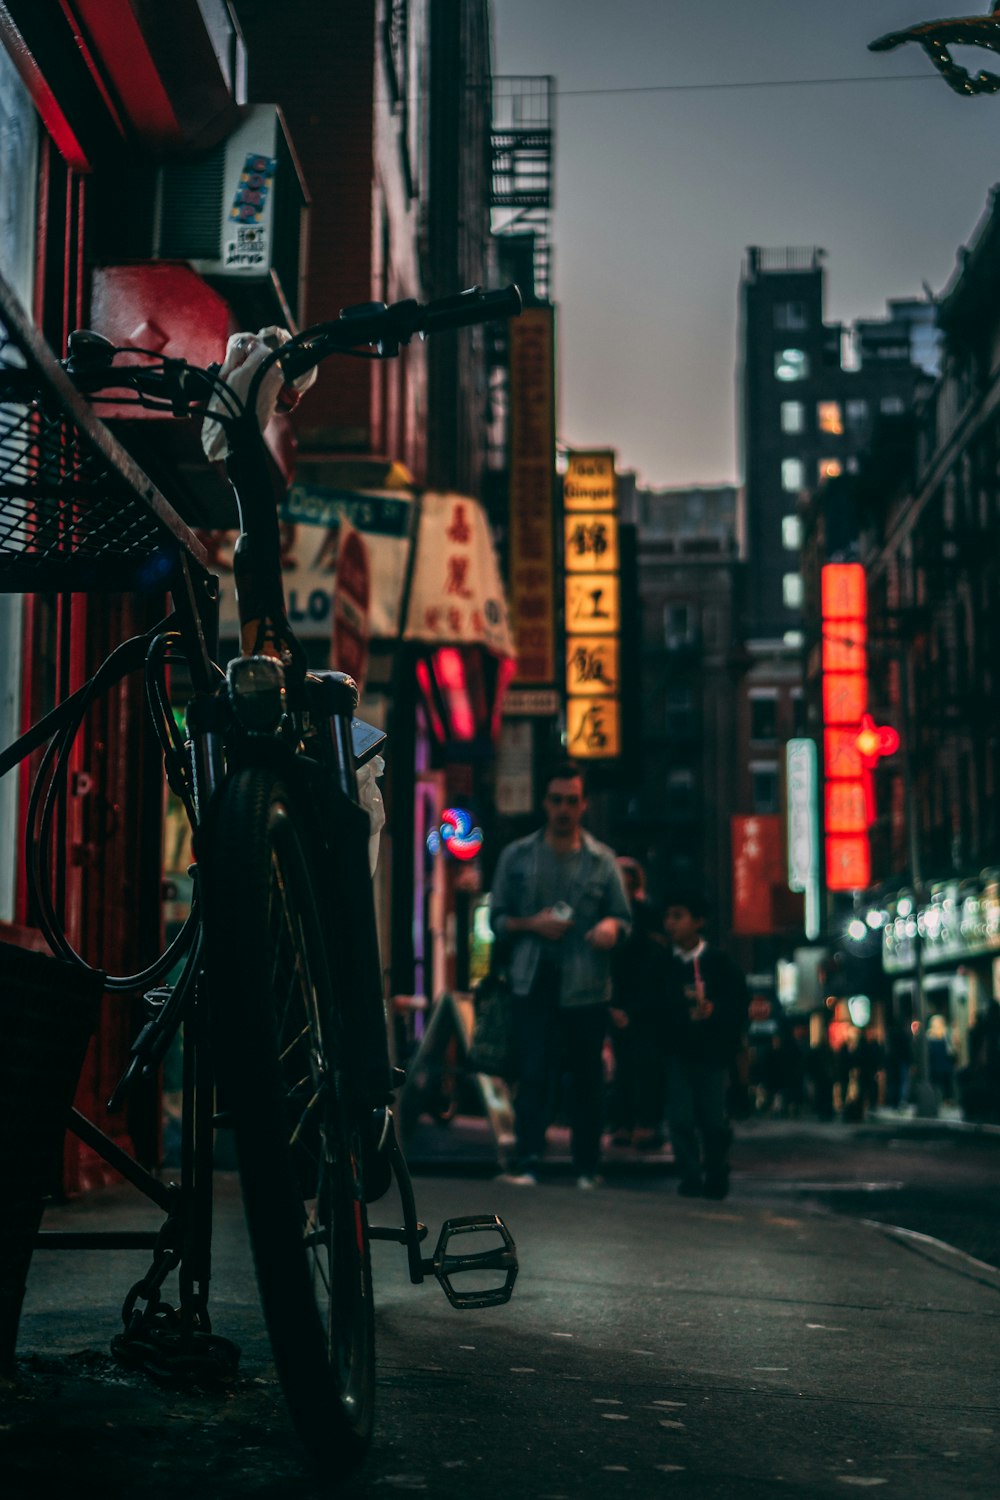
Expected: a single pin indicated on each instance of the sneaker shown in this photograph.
(519, 1179)
(588, 1183)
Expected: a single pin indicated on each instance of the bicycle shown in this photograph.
(280, 989)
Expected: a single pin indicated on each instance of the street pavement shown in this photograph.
(767, 1345)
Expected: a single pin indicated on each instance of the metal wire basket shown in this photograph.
(77, 514)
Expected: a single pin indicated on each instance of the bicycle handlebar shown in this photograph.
(381, 326)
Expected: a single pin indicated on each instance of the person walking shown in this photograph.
(559, 906)
(705, 1015)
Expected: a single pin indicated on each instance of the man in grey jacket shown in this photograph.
(559, 906)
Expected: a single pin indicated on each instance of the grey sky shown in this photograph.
(658, 194)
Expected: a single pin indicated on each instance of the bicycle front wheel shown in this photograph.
(281, 1066)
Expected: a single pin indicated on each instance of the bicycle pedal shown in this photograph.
(501, 1258)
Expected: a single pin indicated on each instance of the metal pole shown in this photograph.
(924, 1096)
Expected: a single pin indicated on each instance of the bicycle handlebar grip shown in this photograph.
(473, 306)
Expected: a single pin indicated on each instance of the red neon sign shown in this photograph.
(848, 809)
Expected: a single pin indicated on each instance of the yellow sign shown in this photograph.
(589, 482)
(593, 728)
(591, 665)
(591, 540)
(592, 604)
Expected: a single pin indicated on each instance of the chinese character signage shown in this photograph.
(591, 562)
(531, 537)
(847, 809)
(456, 595)
(758, 868)
(802, 784)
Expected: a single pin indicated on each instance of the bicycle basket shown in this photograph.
(76, 513)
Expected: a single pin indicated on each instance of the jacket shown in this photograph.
(716, 1040)
(596, 892)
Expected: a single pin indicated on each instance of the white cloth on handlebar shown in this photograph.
(370, 797)
(244, 353)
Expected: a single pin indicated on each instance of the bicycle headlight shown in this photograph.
(256, 688)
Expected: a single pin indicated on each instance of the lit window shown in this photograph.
(790, 315)
(793, 475)
(830, 417)
(793, 416)
(791, 364)
(892, 406)
(791, 590)
(791, 532)
(830, 468)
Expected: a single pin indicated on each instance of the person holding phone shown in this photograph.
(559, 906)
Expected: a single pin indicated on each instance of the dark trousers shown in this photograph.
(699, 1127)
(637, 1095)
(549, 1041)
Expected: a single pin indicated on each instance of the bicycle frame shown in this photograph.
(268, 709)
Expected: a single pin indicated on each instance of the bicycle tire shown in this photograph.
(278, 1044)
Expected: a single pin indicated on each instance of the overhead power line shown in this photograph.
(761, 83)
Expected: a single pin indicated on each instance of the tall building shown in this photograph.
(809, 392)
(675, 815)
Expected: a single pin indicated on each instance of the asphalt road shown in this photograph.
(771, 1345)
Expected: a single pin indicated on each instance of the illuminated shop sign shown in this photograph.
(845, 700)
(592, 564)
(802, 783)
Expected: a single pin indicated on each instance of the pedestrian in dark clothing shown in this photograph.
(558, 903)
(821, 1071)
(940, 1058)
(705, 1012)
(636, 1111)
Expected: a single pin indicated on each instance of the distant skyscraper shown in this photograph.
(808, 394)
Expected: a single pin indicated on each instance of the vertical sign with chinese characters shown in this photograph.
(802, 783)
(531, 550)
(845, 698)
(757, 869)
(592, 568)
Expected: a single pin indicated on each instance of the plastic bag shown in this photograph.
(244, 353)
(370, 797)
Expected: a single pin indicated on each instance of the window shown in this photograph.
(791, 364)
(764, 788)
(830, 417)
(793, 416)
(676, 623)
(793, 475)
(791, 590)
(857, 415)
(764, 718)
(679, 710)
(791, 533)
(892, 406)
(830, 468)
(790, 315)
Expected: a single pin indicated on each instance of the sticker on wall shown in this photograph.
(253, 188)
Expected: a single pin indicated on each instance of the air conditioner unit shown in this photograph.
(237, 212)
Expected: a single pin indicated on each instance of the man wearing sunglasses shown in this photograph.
(559, 907)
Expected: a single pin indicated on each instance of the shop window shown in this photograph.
(791, 364)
